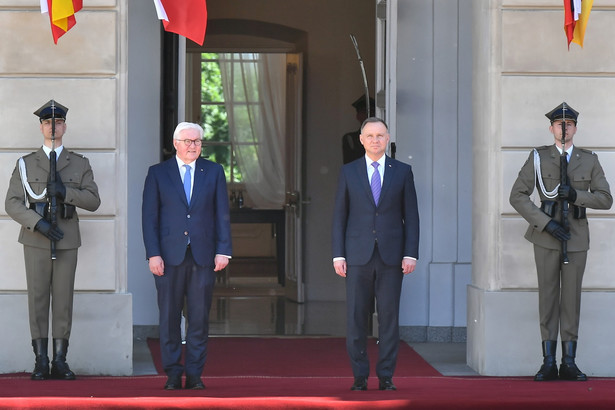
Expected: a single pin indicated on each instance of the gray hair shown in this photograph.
(187, 126)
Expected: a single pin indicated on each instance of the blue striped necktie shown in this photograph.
(187, 183)
(375, 183)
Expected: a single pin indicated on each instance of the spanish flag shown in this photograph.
(576, 14)
(61, 15)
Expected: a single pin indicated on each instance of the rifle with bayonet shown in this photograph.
(52, 214)
(563, 167)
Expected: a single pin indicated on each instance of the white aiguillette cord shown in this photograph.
(26, 187)
(538, 175)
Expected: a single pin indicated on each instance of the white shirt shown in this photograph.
(568, 151)
(58, 150)
(370, 168)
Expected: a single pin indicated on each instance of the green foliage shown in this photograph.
(216, 144)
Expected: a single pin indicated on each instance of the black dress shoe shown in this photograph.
(360, 384)
(174, 382)
(194, 383)
(386, 383)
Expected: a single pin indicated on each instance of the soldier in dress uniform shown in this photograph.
(27, 202)
(351, 145)
(559, 283)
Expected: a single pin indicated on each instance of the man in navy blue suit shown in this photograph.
(375, 243)
(187, 236)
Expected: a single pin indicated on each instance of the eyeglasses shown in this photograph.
(197, 143)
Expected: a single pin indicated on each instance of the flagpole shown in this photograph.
(365, 86)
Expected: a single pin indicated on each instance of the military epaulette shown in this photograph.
(29, 155)
(76, 153)
(544, 147)
(587, 151)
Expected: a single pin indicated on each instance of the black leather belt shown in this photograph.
(65, 211)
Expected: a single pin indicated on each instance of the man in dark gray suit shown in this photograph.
(375, 243)
(187, 235)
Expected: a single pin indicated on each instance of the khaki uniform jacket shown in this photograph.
(586, 177)
(81, 191)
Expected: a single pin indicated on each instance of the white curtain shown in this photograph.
(254, 87)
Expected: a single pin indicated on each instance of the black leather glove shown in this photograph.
(56, 188)
(567, 192)
(53, 233)
(557, 231)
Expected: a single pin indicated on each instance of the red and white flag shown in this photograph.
(576, 14)
(61, 15)
(184, 17)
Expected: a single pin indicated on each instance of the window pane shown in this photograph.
(244, 96)
(210, 78)
(210, 56)
(242, 92)
(247, 118)
(236, 173)
(220, 154)
(214, 122)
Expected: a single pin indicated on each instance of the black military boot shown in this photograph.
(548, 370)
(568, 370)
(41, 364)
(59, 367)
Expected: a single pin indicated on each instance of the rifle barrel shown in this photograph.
(53, 205)
(564, 181)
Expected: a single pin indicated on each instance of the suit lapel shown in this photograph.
(199, 180)
(389, 173)
(573, 162)
(41, 160)
(172, 171)
(554, 154)
(361, 174)
(63, 160)
(574, 159)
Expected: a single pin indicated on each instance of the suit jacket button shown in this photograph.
(188, 216)
(185, 233)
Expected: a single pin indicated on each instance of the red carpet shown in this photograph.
(296, 357)
(281, 373)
